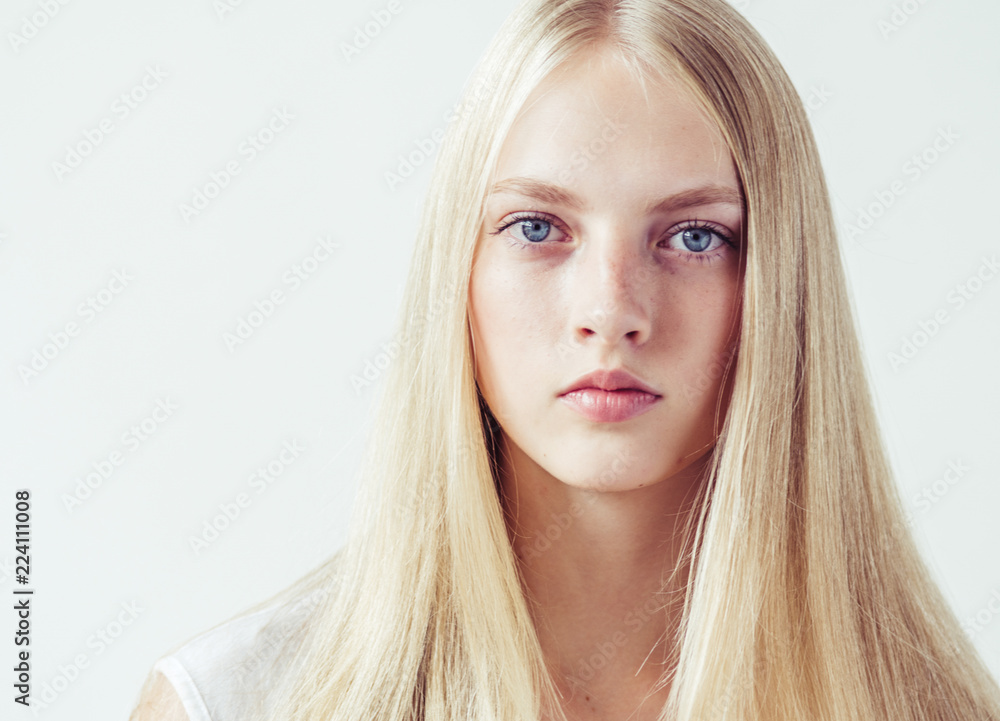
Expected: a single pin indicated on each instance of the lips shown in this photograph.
(607, 396)
(610, 380)
(609, 406)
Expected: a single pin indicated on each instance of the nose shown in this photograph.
(610, 298)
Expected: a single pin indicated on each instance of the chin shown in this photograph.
(616, 469)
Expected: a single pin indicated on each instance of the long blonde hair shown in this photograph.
(807, 599)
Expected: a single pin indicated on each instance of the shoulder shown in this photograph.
(159, 701)
(223, 673)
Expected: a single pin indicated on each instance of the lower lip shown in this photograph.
(609, 406)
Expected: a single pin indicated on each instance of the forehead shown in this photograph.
(592, 125)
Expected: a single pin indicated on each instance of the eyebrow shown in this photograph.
(549, 193)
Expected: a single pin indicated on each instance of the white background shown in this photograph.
(880, 99)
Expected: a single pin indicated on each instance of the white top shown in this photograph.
(218, 675)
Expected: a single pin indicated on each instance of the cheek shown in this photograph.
(515, 322)
(711, 317)
(709, 311)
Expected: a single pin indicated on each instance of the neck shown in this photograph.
(597, 567)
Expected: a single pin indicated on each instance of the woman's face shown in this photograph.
(611, 242)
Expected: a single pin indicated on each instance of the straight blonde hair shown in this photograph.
(807, 597)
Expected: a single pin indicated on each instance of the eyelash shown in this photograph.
(702, 257)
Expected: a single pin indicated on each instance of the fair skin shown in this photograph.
(593, 271)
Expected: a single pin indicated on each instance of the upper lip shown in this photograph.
(609, 380)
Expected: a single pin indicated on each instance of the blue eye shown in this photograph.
(536, 230)
(698, 237)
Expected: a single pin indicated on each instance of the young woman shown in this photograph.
(626, 466)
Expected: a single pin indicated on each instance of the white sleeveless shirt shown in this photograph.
(219, 674)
